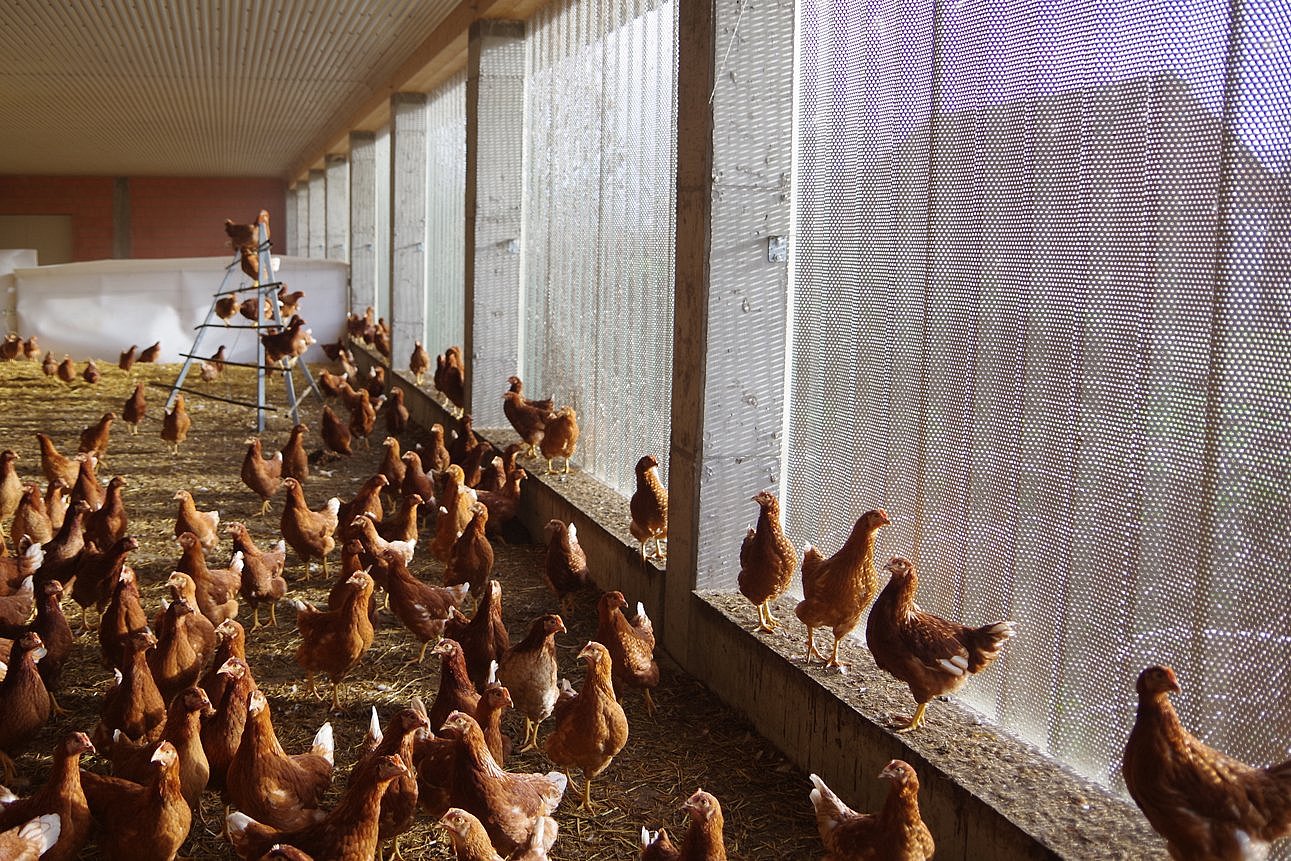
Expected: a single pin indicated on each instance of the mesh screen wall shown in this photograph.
(446, 217)
(1040, 315)
(599, 215)
(383, 220)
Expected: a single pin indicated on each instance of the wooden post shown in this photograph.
(729, 407)
(408, 177)
(363, 221)
(494, 192)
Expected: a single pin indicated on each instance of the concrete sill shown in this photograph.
(985, 795)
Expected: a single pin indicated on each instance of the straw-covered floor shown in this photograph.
(692, 741)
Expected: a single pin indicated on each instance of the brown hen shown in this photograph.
(1207, 805)
(589, 729)
(649, 508)
(934, 656)
(767, 560)
(529, 670)
(265, 782)
(895, 833)
(630, 644)
(61, 794)
(348, 832)
(837, 590)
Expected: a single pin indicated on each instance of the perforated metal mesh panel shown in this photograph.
(599, 215)
(1040, 265)
(383, 220)
(446, 218)
(317, 214)
(338, 208)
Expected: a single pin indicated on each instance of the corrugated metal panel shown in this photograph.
(364, 248)
(1040, 316)
(200, 88)
(338, 208)
(446, 223)
(599, 217)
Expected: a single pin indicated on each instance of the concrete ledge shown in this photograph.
(985, 795)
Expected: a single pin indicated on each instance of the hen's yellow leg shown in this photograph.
(833, 657)
(530, 736)
(917, 720)
(811, 645)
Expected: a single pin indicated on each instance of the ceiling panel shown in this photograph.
(192, 87)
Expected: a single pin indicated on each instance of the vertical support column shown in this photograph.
(731, 322)
(338, 207)
(300, 235)
(121, 233)
(288, 223)
(363, 221)
(317, 213)
(409, 175)
(494, 192)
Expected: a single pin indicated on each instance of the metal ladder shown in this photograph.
(270, 286)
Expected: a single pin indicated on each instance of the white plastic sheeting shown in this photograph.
(100, 308)
(11, 259)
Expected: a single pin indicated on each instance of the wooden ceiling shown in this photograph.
(214, 87)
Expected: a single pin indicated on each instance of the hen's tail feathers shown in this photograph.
(543, 836)
(986, 642)
(374, 729)
(830, 809)
(42, 831)
(325, 744)
(642, 621)
(558, 783)
(811, 559)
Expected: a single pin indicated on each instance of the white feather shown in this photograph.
(325, 743)
(43, 830)
(951, 666)
(237, 822)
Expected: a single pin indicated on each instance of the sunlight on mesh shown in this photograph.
(446, 216)
(599, 214)
(1045, 326)
(383, 219)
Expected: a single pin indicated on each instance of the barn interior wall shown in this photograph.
(167, 216)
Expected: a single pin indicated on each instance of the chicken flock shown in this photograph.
(183, 714)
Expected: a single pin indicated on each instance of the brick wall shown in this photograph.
(184, 216)
(169, 216)
(87, 199)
